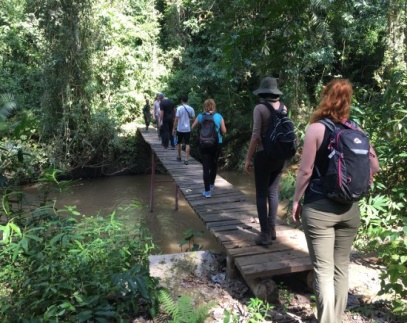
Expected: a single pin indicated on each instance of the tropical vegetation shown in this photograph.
(72, 72)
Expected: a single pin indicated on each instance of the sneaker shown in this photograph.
(207, 193)
(263, 239)
(178, 159)
(212, 187)
(186, 162)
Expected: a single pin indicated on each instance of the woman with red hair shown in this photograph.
(329, 226)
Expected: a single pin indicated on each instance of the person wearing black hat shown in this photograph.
(267, 171)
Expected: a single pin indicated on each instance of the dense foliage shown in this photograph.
(72, 72)
(58, 265)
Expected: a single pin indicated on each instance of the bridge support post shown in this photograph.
(264, 288)
(152, 180)
(231, 271)
(308, 278)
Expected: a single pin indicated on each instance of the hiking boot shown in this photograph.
(186, 162)
(273, 233)
(178, 159)
(263, 240)
(207, 194)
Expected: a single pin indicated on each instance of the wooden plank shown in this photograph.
(223, 217)
(280, 267)
(238, 206)
(236, 235)
(282, 230)
(244, 237)
(241, 247)
(258, 259)
(216, 224)
(222, 200)
(253, 249)
(228, 193)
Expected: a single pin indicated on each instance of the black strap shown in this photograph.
(187, 111)
(271, 109)
(213, 115)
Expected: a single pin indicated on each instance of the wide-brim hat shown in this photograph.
(268, 85)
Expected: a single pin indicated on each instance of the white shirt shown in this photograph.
(156, 109)
(184, 120)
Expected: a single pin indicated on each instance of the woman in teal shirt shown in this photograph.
(210, 156)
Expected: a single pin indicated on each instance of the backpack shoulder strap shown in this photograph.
(328, 123)
(269, 106)
(350, 124)
(281, 107)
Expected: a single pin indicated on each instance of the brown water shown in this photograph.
(166, 225)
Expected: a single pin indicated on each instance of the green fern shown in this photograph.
(167, 303)
(183, 311)
(7, 105)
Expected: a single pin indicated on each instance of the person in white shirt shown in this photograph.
(182, 127)
(156, 114)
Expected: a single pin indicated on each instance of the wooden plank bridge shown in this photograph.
(231, 217)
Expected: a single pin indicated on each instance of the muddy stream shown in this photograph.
(166, 225)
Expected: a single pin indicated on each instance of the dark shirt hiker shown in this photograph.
(167, 110)
(147, 114)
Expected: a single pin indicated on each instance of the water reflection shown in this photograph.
(104, 195)
(241, 181)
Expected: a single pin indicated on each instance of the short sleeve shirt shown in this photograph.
(168, 107)
(156, 108)
(184, 114)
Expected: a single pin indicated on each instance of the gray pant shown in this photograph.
(267, 175)
(330, 229)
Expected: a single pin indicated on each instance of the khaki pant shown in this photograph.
(330, 229)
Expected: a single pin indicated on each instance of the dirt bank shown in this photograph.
(202, 276)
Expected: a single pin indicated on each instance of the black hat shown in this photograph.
(268, 85)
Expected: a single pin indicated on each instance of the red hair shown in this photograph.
(335, 101)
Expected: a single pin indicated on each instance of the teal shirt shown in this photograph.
(217, 118)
